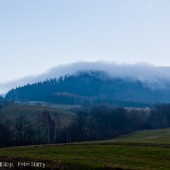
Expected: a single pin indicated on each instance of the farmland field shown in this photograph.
(32, 110)
(142, 150)
(161, 136)
(128, 152)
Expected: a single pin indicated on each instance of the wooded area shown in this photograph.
(96, 123)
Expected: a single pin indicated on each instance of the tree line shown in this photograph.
(89, 87)
(97, 123)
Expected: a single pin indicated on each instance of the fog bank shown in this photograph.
(154, 76)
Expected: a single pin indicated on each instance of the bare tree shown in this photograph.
(57, 125)
(20, 128)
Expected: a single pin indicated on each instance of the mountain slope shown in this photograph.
(88, 87)
(153, 76)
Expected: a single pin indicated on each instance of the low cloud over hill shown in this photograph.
(153, 76)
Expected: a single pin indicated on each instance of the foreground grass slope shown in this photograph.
(161, 136)
(144, 150)
(93, 156)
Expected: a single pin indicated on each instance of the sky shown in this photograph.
(36, 35)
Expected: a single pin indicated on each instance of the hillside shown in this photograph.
(144, 150)
(2, 102)
(152, 76)
(161, 136)
(91, 156)
(90, 87)
(12, 111)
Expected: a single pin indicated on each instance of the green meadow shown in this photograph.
(161, 136)
(121, 154)
(141, 150)
(12, 111)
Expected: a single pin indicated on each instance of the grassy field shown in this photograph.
(142, 150)
(13, 110)
(161, 136)
(92, 156)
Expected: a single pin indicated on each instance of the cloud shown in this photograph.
(154, 76)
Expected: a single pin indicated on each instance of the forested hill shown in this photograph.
(2, 101)
(88, 87)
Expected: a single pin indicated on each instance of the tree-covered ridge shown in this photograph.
(3, 101)
(88, 87)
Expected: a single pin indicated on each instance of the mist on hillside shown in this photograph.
(153, 76)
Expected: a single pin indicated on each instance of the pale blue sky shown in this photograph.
(38, 34)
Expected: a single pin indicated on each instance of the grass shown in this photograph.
(93, 156)
(146, 136)
(142, 150)
(31, 111)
